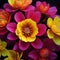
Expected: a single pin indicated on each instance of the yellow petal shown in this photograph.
(49, 22)
(50, 34)
(56, 40)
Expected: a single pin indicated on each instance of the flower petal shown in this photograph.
(3, 32)
(33, 54)
(35, 15)
(30, 8)
(56, 40)
(11, 27)
(41, 29)
(52, 11)
(48, 43)
(23, 46)
(37, 44)
(19, 16)
(8, 8)
(11, 36)
(53, 56)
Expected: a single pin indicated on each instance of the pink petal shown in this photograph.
(52, 11)
(8, 8)
(37, 44)
(38, 4)
(23, 46)
(11, 27)
(11, 36)
(30, 8)
(35, 15)
(19, 16)
(41, 29)
(33, 54)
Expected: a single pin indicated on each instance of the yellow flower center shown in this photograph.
(27, 30)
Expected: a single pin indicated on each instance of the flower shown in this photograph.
(13, 55)
(45, 8)
(20, 4)
(27, 30)
(54, 31)
(4, 20)
(42, 54)
(3, 50)
(32, 22)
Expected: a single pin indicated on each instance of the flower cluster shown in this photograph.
(29, 32)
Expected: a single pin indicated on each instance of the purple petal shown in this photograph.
(41, 29)
(11, 27)
(52, 11)
(8, 8)
(35, 15)
(37, 44)
(48, 43)
(53, 56)
(33, 54)
(19, 16)
(23, 45)
(11, 36)
(16, 47)
(30, 8)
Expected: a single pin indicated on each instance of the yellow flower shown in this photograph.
(20, 4)
(27, 30)
(54, 31)
(3, 50)
(13, 55)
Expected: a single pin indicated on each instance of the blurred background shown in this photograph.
(52, 3)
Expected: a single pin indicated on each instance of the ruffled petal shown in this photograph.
(37, 44)
(33, 54)
(35, 15)
(29, 8)
(11, 27)
(23, 46)
(41, 29)
(52, 11)
(19, 16)
(11, 36)
(8, 8)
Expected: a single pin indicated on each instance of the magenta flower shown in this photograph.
(45, 8)
(42, 54)
(24, 43)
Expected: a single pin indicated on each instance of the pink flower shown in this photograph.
(34, 15)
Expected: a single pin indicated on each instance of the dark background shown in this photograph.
(52, 3)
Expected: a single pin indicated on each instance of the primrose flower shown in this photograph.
(4, 20)
(13, 55)
(26, 29)
(45, 8)
(43, 54)
(20, 4)
(3, 50)
(54, 31)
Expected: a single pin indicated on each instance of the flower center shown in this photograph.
(3, 23)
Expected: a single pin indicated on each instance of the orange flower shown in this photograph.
(20, 4)
(4, 20)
